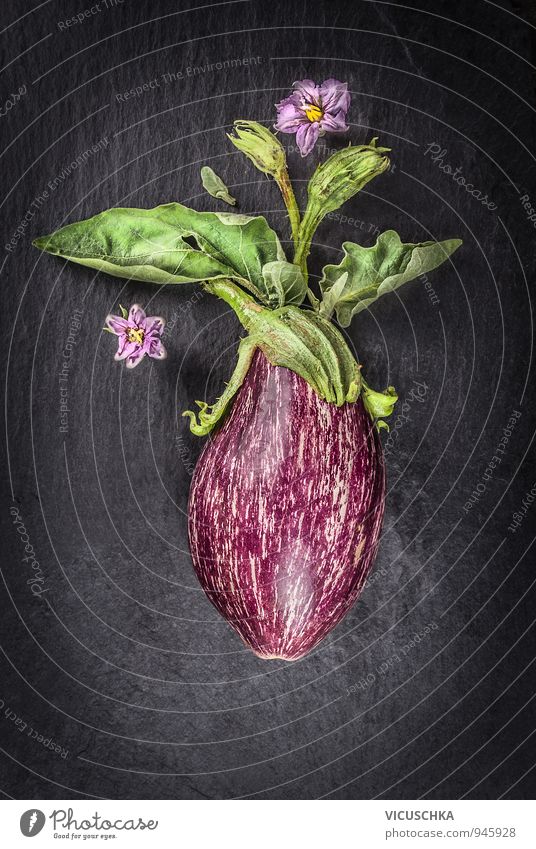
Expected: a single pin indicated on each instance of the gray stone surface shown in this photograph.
(122, 661)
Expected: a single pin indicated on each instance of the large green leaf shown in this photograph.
(174, 244)
(365, 274)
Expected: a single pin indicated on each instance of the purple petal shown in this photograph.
(157, 350)
(335, 96)
(293, 99)
(154, 324)
(136, 314)
(289, 118)
(306, 137)
(334, 123)
(136, 358)
(116, 324)
(126, 348)
(308, 91)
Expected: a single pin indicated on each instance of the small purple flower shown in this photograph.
(312, 110)
(139, 334)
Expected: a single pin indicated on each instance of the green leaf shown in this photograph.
(367, 273)
(331, 297)
(285, 282)
(215, 186)
(172, 244)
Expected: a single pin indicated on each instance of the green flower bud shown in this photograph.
(334, 182)
(345, 173)
(260, 146)
(268, 155)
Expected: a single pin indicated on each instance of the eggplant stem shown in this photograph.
(245, 307)
(285, 186)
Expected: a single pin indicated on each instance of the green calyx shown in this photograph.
(297, 339)
(208, 416)
(294, 338)
(305, 343)
(379, 405)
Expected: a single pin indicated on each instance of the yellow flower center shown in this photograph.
(314, 113)
(135, 334)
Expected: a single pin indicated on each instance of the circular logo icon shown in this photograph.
(31, 822)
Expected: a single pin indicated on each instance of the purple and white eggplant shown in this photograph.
(287, 499)
(286, 506)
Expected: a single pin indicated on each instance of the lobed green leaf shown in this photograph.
(364, 274)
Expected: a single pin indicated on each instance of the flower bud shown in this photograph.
(334, 182)
(344, 174)
(260, 146)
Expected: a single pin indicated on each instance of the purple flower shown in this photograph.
(312, 110)
(139, 334)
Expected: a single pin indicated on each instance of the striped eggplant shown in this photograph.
(285, 511)
(287, 498)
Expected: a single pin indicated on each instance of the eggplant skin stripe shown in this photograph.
(286, 507)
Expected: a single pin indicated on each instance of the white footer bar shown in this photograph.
(260, 824)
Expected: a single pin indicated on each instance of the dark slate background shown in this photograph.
(122, 661)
